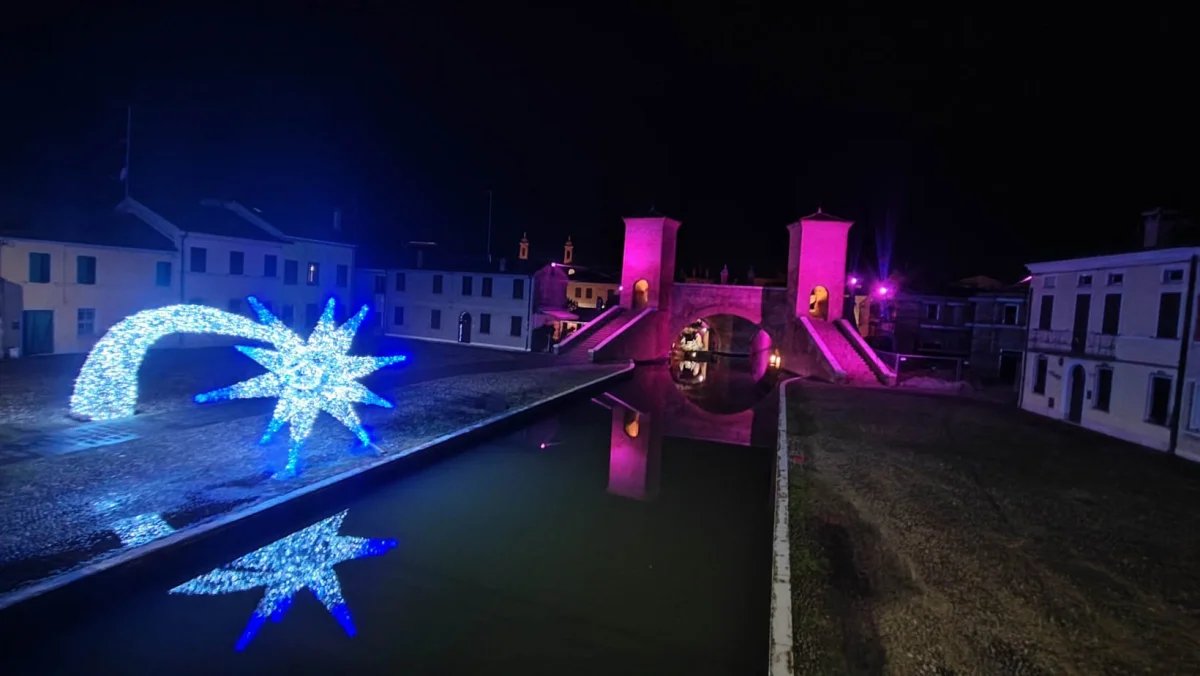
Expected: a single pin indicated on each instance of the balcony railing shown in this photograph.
(1093, 343)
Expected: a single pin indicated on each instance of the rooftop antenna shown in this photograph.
(489, 239)
(128, 133)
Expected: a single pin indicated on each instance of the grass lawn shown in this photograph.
(938, 535)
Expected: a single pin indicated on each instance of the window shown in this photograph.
(468, 283)
(1112, 314)
(39, 268)
(1158, 404)
(514, 328)
(485, 322)
(1168, 315)
(162, 273)
(312, 314)
(931, 311)
(1009, 315)
(314, 274)
(1085, 280)
(270, 265)
(398, 315)
(291, 272)
(579, 292)
(1172, 276)
(1046, 313)
(588, 293)
(85, 324)
(237, 262)
(486, 287)
(85, 269)
(1050, 282)
(437, 283)
(342, 276)
(1193, 421)
(435, 318)
(199, 259)
(1039, 377)
(401, 281)
(518, 288)
(1116, 278)
(380, 284)
(1104, 376)
(235, 306)
(289, 314)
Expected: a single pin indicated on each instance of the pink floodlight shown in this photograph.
(854, 281)
(883, 290)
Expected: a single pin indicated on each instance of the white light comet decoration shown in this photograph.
(307, 376)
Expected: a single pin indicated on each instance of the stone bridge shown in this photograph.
(766, 307)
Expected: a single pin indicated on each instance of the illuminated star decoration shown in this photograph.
(304, 559)
(309, 377)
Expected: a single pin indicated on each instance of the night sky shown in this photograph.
(973, 143)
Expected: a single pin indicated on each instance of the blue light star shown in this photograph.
(308, 377)
(304, 559)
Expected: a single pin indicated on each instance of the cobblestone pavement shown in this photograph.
(64, 506)
(935, 535)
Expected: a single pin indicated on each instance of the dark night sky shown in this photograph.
(980, 142)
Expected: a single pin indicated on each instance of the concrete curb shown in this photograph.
(782, 640)
(190, 533)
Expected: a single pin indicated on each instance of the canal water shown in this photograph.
(625, 534)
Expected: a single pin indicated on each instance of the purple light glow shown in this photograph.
(883, 291)
(854, 281)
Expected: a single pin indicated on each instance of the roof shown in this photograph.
(1139, 257)
(210, 220)
(297, 220)
(822, 216)
(97, 225)
(438, 259)
(588, 275)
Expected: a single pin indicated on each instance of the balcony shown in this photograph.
(1093, 344)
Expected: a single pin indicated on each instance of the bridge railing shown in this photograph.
(588, 328)
(909, 366)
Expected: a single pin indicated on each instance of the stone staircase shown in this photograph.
(857, 370)
(579, 350)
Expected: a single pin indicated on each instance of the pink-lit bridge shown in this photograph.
(803, 320)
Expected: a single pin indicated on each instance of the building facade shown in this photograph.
(66, 284)
(1111, 347)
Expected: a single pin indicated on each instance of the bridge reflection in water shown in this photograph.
(723, 400)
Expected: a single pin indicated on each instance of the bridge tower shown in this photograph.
(648, 269)
(817, 265)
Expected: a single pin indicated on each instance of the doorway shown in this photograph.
(641, 295)
(464, 327)
(818, 303)
(1010, 364)
(37, 332)
(1078, 385)
(1083, 311)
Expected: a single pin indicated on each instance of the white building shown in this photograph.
(1112, 347)
(501, 304)
(65, 284)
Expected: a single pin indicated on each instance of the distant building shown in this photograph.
(68, 278)
(1112, 345)
(509, 304)
(979, 320)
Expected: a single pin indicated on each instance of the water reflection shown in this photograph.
(715, 399)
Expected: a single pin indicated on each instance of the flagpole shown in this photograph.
(128, 141)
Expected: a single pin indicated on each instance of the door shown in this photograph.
(1083, 308)
(1078, 383)
(37, 332)
(1010, 363)
(464, 327)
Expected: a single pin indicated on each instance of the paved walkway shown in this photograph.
(77, 494)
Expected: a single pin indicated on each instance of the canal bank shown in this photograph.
(624, 534)
(73, 515)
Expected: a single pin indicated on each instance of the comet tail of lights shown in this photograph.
(302, 560)
(309, 377)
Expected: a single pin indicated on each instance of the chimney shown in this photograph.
(337, 220)
(420, 258)
(503, 264)
(1158, 225)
